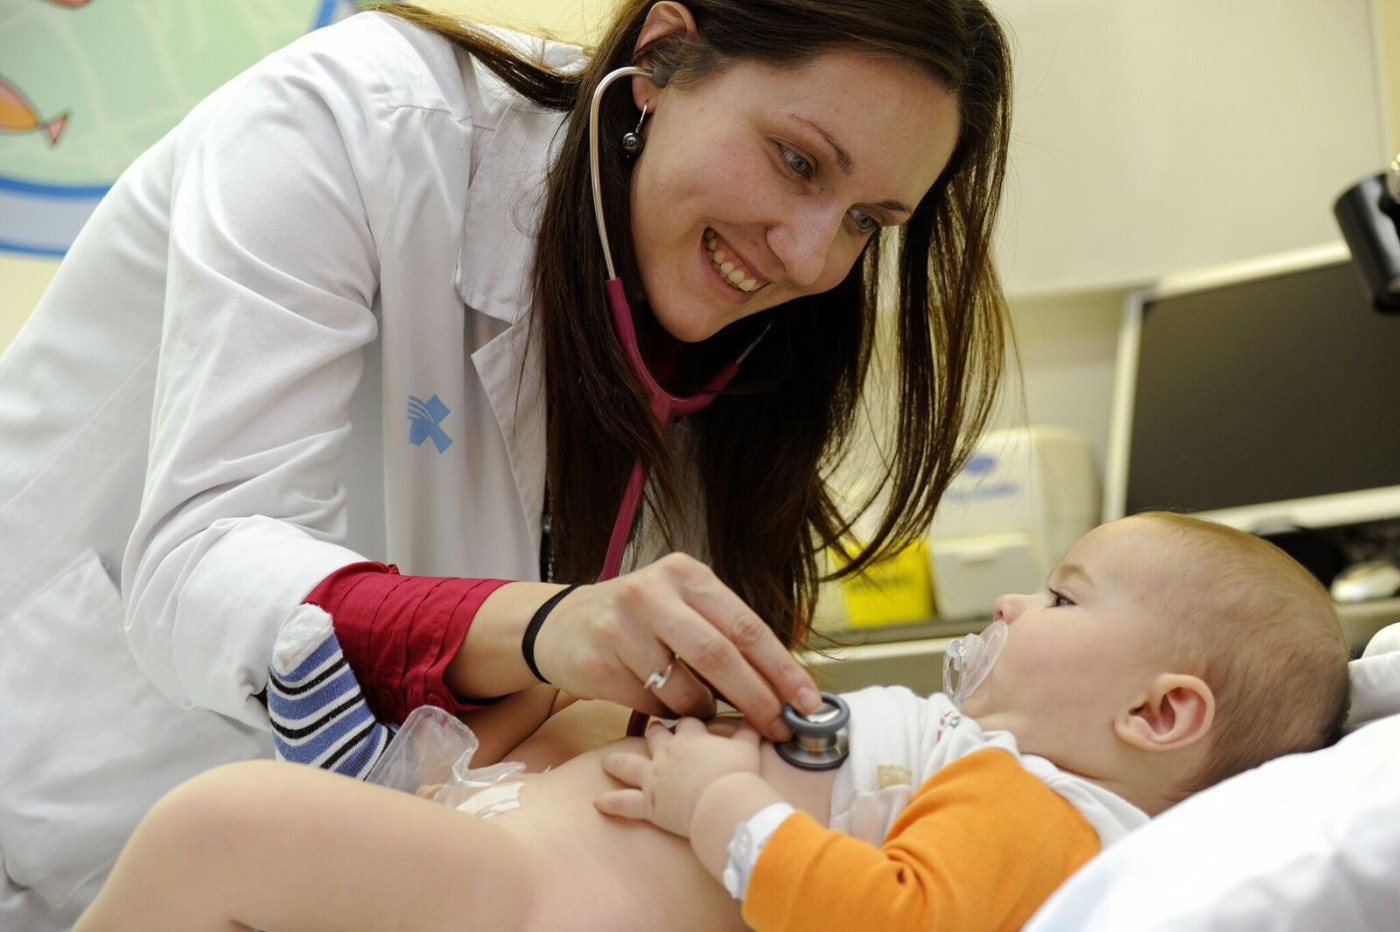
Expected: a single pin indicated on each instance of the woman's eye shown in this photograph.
(864, 222)
(798, 164)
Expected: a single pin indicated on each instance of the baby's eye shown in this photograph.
(796, 163)
(864, 222)
(1059, 600)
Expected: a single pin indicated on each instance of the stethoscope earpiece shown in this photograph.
(819, 741)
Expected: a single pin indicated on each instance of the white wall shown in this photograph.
(1067, 343)
(22, 280)
(1154, 137)
(1068, 336)
(571, 20)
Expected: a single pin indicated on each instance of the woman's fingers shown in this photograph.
(734, 650)
(667, 678)
(757, 643)
(684, 694)
(633, 696)
(727, 671)
(680, 694)
(654, 638)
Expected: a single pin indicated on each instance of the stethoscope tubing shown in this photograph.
(664, 406)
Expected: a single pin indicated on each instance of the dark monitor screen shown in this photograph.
(1280, 387)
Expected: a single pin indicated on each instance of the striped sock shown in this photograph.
(319, 715)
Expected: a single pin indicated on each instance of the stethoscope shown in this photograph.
(819, 739)
(664, 405)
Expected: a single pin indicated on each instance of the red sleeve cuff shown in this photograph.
(399, 633)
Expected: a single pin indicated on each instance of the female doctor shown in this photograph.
(342, 335)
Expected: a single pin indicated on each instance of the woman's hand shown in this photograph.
(607, 640)
(665, 788)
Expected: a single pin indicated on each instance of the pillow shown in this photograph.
(1305, 842)
(1375, 679)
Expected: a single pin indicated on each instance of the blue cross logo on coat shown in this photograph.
(425, 420)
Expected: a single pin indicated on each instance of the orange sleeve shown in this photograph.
(981, 845)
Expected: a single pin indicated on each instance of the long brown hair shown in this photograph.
(765, 450)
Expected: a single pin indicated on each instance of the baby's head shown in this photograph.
(1166, 654)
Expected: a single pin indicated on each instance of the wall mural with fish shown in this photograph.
(87, 85)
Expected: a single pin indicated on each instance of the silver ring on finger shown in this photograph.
(658, 677)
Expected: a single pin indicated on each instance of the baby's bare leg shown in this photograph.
(261, 845)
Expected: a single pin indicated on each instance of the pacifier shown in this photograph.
(967, 661)
(818, 740)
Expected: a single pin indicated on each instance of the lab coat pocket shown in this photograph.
(87, 745)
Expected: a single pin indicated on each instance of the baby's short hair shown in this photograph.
(1263, 633)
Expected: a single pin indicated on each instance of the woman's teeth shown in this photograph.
(738, 277)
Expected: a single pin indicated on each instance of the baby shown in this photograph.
(1164, 655)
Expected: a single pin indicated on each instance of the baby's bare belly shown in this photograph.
(599, 872)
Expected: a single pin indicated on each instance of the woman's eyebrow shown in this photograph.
(843, 158)
(847, 164)
(893, 205)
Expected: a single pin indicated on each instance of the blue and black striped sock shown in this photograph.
(318, 711)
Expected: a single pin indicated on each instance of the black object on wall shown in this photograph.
(1368, 214)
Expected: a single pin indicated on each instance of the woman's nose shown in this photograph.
(804, 245)
(1008, 608)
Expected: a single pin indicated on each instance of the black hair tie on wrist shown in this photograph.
(532, 630)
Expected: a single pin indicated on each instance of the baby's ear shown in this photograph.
(1178, 711)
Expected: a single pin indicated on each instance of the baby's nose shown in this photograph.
(1009, 607)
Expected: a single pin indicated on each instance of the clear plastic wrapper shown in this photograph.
(431, 757)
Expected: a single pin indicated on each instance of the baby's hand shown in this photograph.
(663, 790)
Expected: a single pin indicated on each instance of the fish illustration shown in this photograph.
(18, 115)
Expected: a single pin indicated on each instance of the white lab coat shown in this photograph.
(291, 338)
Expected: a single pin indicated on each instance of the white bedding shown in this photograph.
(1307, 842)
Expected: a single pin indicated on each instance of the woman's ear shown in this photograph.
(1179, 710)
(665, 18)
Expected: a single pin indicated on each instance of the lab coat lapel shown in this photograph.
(495, 276)
(511, 372)
(495, 268)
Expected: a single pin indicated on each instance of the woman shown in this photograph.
(350, 312)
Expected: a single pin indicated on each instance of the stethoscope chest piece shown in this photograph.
(819, 740)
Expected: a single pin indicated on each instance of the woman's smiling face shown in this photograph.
(760, 184)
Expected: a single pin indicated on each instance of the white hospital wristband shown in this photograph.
(748, 841)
